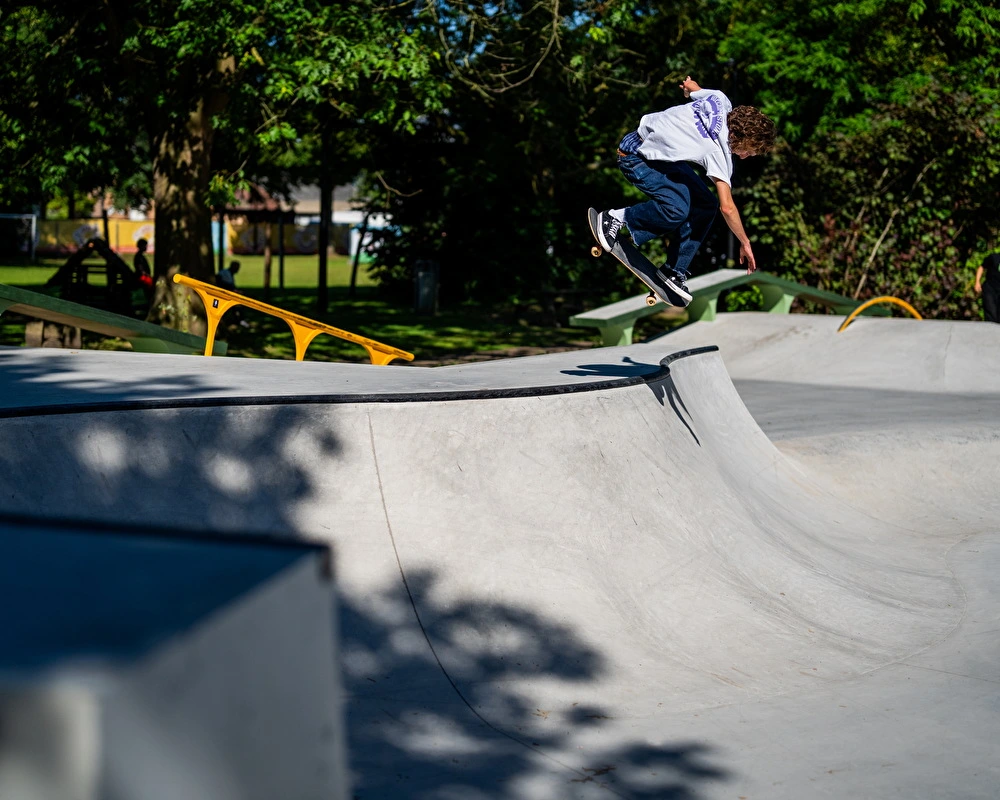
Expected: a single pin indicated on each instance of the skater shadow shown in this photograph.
(663, 389)
(629, 368)
(677, 404)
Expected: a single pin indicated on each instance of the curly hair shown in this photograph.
(749, 128)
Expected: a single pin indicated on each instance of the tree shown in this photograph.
(62, 133)
(147, 87)
(495, 186)
(886, 182)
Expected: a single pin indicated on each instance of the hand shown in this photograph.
(746, 257)
(979, 288)
(689, 86)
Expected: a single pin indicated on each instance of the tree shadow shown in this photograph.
(41, 385)
(431, 711)
(72, 580)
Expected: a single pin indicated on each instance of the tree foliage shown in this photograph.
(485, 130)
(907, 208)
(134, 95)
(887, 179)
(495, 187)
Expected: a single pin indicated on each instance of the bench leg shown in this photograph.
(616, 335)
(776, 299)
(702, 309)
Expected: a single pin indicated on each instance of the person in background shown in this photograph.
(142, 271)
(226, 278)
(990, 288)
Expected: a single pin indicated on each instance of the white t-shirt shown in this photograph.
(695, 131)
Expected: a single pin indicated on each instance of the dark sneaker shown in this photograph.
(608, 230)
(679, 294)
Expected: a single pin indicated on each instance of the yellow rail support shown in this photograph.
(875, 301)
(218, 301)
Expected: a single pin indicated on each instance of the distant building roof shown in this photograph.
(256, 198)
(305, 199)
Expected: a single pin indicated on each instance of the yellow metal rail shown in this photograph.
(218, 301)
(876, 301)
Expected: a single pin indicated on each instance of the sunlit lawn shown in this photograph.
(465, 332)
(300, 272)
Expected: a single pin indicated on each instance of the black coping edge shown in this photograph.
(339, 399)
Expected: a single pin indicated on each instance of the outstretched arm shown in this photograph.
(689, 85)
(732, 216)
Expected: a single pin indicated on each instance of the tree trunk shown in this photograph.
(182, 163)
(357, 257)
(325, 217)
(267, 260)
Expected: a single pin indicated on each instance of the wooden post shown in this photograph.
(221, 256)
(267, 259)
(281, 249)
(357, 256)
(325, 216)
(104, 220)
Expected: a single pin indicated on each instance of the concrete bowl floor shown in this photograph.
(767, 568)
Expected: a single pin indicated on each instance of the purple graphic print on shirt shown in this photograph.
(707, 117)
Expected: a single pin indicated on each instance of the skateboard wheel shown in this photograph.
(652, 299)
(595, 251)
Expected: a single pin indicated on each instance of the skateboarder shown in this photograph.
(655, 158)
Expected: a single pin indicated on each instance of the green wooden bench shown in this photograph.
(617, 320)
(144, 337)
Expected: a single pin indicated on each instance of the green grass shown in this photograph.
(459, 334)
(27, 277)
(462, 333)
(300, 272)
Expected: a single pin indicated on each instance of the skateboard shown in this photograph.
(636, 262)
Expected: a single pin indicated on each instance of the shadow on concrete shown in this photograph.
(102, 594)
(30, 383)
(628, 368)
(206, 468)
(665, 391)
(417, 728)
(677, 404)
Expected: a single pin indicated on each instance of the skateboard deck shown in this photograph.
(629, 255)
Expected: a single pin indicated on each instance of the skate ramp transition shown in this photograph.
(594, 574)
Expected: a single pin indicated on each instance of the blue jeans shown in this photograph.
(680, 205)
